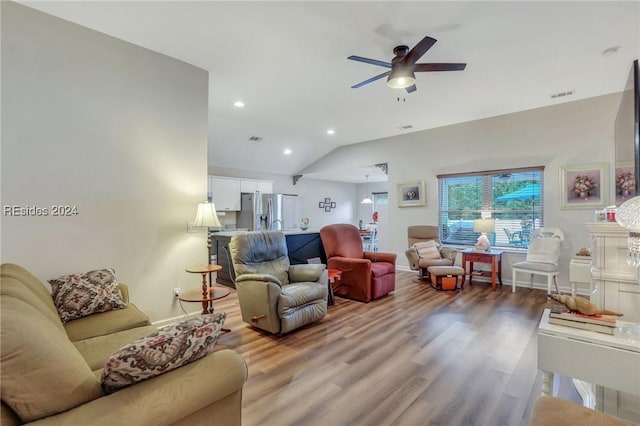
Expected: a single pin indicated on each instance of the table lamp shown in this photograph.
(206, 217)
(484, 226)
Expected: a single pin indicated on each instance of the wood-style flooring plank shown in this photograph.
(414, 357)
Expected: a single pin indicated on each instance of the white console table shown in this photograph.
(611, 362)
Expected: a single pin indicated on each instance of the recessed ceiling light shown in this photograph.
(238, 104)
(287, 151)
(331, 132)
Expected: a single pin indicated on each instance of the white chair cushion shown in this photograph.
(536, 266)
(544, 250)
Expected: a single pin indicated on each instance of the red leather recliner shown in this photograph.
(365, 275)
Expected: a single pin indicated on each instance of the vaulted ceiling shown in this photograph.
(287, 62)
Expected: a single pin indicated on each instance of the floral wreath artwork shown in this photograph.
(625, 182)
(584, 186)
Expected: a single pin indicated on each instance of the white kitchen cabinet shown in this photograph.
(226, 193)
(251, 185)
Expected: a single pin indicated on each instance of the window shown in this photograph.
(513, 198)
(378, 199)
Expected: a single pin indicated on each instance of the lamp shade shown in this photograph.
(366, 200)
(484, 226)
(206, 216)
(401, 78)
(628, 216)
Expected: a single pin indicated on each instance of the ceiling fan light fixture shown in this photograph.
(401, 79)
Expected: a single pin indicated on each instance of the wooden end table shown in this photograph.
(207, 292)
(335, 276)
(493, 257)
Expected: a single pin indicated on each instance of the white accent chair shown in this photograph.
(542, 257)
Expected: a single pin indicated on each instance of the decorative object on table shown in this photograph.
(625, 182)
(628, 216)
(327, 205)
(206, 217)
(411, 194)
(610, 213)
(584, 251)
(582, 305)
(560, 315)
(584, 186)
(304, 223)
(367, 199)
(484, 226)
(374, 217)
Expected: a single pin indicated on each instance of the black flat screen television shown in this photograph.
(627, 140)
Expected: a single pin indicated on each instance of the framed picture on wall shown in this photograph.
(411, 194)
(624, 182)
(584, 186)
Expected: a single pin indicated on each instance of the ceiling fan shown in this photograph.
(403, 66)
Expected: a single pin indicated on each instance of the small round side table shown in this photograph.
(208, 290)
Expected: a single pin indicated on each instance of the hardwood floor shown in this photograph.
(415, 357)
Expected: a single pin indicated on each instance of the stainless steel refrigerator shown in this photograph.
(263, 212)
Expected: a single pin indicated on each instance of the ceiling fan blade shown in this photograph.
(370, 61)
(419, 50)
(411, 89)
(438, 67)
(372, 79)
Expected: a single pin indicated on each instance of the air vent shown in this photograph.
(563, 94)
(405, 127)
(255, 138)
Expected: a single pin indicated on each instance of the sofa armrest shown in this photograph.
(412, 257)
(306, 273)
(377, 256)
(124, 292)
(165, 399)
(449, 253)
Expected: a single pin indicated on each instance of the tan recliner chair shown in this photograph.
(424, 233)
(274, 295)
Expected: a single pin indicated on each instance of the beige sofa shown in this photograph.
(50, 371)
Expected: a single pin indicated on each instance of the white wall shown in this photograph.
(566, 134)
(114, 129)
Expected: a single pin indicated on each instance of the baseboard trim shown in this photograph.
(173, 320)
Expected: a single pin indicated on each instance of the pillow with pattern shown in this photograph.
(163, 350)
(79, 295)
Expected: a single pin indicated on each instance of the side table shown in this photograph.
(335, 275)
(493, 257)
(204, 270)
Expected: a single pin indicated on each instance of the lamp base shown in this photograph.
(483, 243)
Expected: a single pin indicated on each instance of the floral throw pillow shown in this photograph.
(163, 350)
(79, 295)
